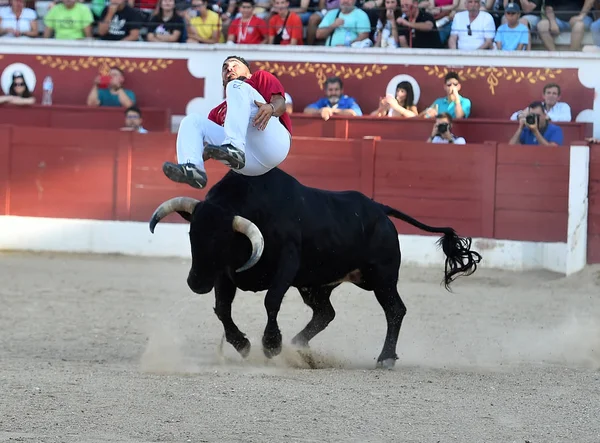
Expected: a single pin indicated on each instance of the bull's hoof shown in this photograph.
(272, 345)
(387, 363)
(244, 348)
(300, 342)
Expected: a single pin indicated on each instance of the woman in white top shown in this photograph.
(400, 105)
(19, 93)
(18, 21)
(386, 31)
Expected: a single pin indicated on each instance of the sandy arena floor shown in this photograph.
(114, 349)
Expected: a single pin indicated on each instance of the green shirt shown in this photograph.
(68, 24)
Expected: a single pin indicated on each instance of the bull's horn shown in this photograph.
(184, 204)
(250, 230)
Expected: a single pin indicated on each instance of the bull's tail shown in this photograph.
(460, 260)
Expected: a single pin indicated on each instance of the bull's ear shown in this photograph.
(186, 216)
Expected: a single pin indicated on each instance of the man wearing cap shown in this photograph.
(534, 128)
(512, 35)
(249, 131)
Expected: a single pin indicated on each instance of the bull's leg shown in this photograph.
(224, 295)
(289, 262)
(394, 310)
(318, 299)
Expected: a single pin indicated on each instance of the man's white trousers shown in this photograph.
(264, 149)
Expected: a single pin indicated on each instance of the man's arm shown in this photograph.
(278, 103)
(516, 138)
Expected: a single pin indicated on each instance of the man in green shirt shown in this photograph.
(69, 20)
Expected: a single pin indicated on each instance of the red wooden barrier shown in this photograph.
(472, 129)
(485, 190)
(81, 117)
(594, 206)
(438, 186)
(532, 191)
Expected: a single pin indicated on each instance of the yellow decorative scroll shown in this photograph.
(103, 64)
(494, 75)
(322, 70)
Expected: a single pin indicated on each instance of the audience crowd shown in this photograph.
(536, 121)
(502, 25)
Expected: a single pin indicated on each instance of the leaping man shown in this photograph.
(249, 131)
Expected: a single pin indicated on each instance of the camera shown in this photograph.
(442, 128)
(531, 119)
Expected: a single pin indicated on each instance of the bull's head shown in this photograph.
(210, 238)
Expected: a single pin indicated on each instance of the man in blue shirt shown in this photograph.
(334, 102)
(535, 128)
(454, 104)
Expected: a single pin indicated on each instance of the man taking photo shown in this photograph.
(442, 131)
(535, 128)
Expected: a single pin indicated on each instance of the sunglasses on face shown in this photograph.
(451, 84)
(19, 84)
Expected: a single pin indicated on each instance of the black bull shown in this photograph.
(270, 232)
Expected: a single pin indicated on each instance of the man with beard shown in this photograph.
(249, 131)
(334, 102)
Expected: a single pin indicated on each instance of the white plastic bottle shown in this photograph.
(48, 87)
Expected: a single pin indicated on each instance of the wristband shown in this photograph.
(273, 108)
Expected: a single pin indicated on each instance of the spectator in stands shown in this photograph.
(472, 29)
(535, 129)
(442, 131)
(531, 13)
(204, 25)
(133, 120)
(285, 26)
(18, 93)
(565, 16)
(304, 9)
(18, 21)
(443, 12)
(345, 26)
(69, 20)
(556, 110)
(317, 17)
(595, 26)
(119, 21)
(417, 27)
(454, 104)
(400, 105)
(512, 35)
(248, 29)
(166, 25)
(335, 102)
(386, 29)
(111, 94)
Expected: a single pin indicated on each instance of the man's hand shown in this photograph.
(263, 115)
(326, 113)
(454, 95)
(522, 121)
(434, 131)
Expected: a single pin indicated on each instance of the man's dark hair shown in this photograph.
(537, 104)
(238, 58)
(134, 109)
(446, 116)
(117, 69)
(332, 80)
(451, 75)
(247, 1)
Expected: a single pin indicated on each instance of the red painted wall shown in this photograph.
(495, 92)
